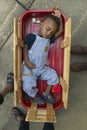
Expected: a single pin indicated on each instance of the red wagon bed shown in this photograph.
(59, 59)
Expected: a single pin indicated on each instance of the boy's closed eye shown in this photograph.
(49, 29)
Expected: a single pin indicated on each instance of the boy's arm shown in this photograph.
(26, 59)
(57, 13)
(60, 28)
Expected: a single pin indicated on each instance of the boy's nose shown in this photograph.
(49, 33)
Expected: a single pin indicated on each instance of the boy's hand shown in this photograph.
(57, 12)
(30, 65)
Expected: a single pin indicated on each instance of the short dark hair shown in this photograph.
(54, 18)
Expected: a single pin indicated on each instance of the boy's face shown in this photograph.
(48, 28)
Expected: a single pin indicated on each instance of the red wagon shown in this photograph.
(59, 59)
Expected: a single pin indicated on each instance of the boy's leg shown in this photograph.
(48, 126)
(30, 88)
(51, 76)
(29, 85)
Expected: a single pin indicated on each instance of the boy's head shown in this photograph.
(49, 26)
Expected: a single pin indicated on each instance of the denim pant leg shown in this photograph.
(23, 125)
(30, 85)
(48, 126)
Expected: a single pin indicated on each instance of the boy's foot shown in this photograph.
(39, 100)
(19, 116)
(48, 97)
(78, 49)
(78, 66)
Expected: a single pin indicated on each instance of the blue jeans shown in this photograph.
(25, 126)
